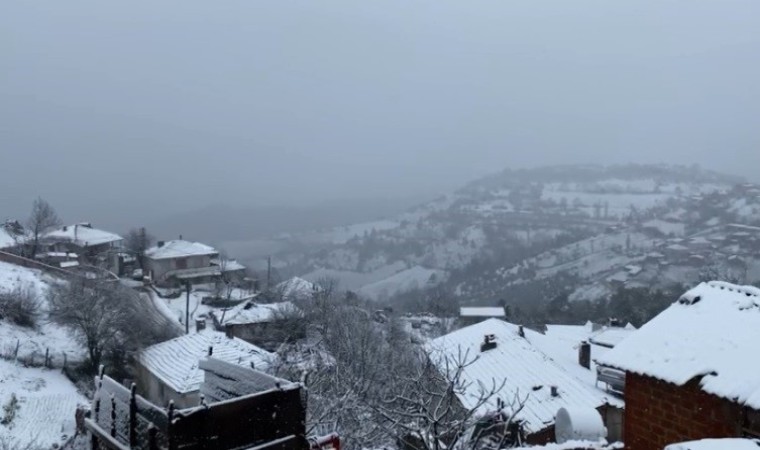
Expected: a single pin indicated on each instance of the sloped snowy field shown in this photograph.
(47, 335)
(47, 404)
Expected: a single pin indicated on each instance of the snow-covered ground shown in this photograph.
(47, 402)
(406, 280)
(46, 336)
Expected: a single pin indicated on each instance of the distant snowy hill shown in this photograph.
(548, 220)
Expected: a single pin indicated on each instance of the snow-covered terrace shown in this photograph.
(710, 333)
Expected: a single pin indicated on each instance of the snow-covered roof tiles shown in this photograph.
(517, 363)
(179, 248)
(175, 362)
(83, 235)
(717, 444)
(711, 332)
(481, 311)
(252, 312)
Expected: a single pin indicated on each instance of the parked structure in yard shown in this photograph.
(469, 315)
(266, 325)
(691, 372)
(170, 371)
(507, 355)
(180, 261)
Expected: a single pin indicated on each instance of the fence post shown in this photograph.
(133, 415)
(152, 439)
(113, 416)
(15, 353)
(47, 355)
(170, 427)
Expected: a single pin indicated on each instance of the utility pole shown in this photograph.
(187, 307)
(269, 272)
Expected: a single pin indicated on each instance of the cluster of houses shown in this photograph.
(687, 380)
(81, 246)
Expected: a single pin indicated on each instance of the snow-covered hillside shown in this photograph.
(548, 219)
(46, 336)
(46, 404)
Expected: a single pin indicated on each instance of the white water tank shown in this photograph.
(579, 424)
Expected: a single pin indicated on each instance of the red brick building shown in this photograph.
(693, 372)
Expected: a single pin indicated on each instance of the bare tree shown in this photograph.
(425, 411)
(42, 218)
(103, 316)
(137, 241)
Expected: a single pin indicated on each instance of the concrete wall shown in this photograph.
(659, 413)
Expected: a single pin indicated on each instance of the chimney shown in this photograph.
(489, 343)
(521, 331)
(584, 354)
(160, 244)
(65, 228)
(228, 332)
(555, 391)
(210, 350)
(200, 324)
(180, 237)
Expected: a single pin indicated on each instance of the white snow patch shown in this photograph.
(47, 404)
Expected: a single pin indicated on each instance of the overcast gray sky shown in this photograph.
(188, 103)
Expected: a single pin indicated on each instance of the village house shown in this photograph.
(691, 372)
(179, 261)
(83, 243)
(469, 315)
(510, 356)
(170, 370)
(266, 325)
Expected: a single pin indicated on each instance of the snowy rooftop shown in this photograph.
(611, 336)
(707, 333)
(252, 312)
(481, 311)
(227, 265)
(296, 288)
(176, 361)
(520, 365)
(717, 444)
(83, 235)
(179, 248)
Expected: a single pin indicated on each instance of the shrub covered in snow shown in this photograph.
(20, 306)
